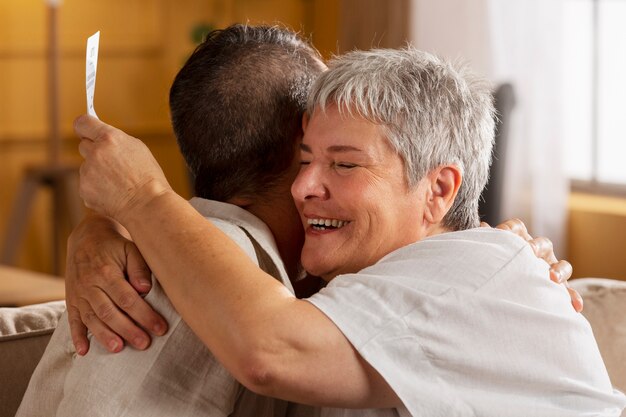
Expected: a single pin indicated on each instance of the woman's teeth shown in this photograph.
(323, 224)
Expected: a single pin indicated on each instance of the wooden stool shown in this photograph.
(63, 181)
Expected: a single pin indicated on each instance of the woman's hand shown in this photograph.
(119, 173)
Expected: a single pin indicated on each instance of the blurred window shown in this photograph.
(594, 86)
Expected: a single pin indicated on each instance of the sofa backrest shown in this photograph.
(25, 332)
(24, 335)
(605, 308)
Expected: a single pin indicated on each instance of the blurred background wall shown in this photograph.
(144, 43)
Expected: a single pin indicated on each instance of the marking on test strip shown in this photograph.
(90, 71)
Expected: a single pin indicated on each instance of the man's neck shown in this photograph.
(282, 220)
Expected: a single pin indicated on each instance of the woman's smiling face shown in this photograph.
(352, 195)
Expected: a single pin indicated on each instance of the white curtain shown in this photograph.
(515, 41)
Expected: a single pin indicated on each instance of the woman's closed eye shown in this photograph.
(345, 165)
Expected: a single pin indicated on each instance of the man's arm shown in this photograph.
(104, 276)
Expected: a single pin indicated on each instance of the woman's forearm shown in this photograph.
(181, 248)
(270, 341)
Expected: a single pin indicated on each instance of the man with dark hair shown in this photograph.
(253, 96)
(236, 108)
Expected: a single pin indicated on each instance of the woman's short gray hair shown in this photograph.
(432, 113)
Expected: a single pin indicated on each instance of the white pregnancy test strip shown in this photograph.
(91, 69)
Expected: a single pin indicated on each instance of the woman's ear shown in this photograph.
(444, 183)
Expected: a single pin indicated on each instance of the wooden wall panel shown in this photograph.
(131, 93)
(22, 98)
(130, 65)
(143, 44)
(290, 13)
(367, 24)
(597, 236)
(35, 250)
(128, 25)
(22, 26)
(325, 26)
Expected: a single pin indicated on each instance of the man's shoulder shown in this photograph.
(227, 218)
(248, 231)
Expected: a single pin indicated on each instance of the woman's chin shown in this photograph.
(315, 266)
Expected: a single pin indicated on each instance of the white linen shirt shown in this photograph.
(469, 324)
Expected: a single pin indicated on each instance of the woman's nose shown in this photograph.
(309, 184)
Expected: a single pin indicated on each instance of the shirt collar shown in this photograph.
(253, 225)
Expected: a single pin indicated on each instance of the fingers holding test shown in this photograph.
(92, 128)
(132, 173)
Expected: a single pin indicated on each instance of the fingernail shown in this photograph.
(558, 276)
(145, 284)
(158, 329)
(554, 277)
(113, 345)
(581, 303)
(141, 343)
(81, 349)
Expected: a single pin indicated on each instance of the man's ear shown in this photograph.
(443, 183)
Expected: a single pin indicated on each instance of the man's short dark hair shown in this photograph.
(236, 108)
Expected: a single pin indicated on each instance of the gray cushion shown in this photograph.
(605, 308)
(24, 335)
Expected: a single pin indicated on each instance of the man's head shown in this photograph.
(236, 108)
(397, 148)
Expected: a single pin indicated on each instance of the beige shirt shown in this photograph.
(176, 376)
